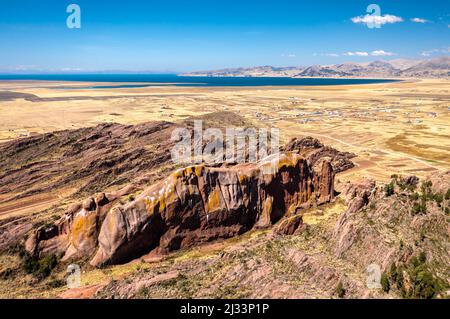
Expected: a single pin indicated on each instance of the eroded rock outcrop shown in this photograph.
(315, 152)
(193, 205)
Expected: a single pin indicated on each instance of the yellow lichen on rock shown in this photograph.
(214, 201)
(83, 226)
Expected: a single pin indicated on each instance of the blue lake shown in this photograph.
(145, 80)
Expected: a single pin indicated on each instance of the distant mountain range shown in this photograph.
(434, 68)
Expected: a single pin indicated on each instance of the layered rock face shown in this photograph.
(315, 152)
(194, 205)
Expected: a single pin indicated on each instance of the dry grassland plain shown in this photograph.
(400, 127)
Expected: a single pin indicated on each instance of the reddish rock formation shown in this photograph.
(193, 205)
(289, 225)
(74, 235)
(315, 152)
(357, 195)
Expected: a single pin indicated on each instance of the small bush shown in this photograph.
(30, 264)
(447, 195)
(131, 198)
(438, 198)
(46, 265)
(393, 272)
(400, 278)
(385, 282)
(422, 283)
(56, 283)
(8, 273)
(389, 190)
(40, 268)
(422, 257)
(419, 208)
(340, 291)
(423, 236)
(414, 196)
(143, 292)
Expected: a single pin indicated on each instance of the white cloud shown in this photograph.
(290, 55)
(381, 53)
(419, 20)
(377, 20)
(357, 53)
(334, 55)
(435, 52)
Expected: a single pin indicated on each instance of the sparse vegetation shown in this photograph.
(389, 189)
(414, 196)
(340, 290)
(420, 284)
(40, 268)
(8, 273)
(447, 195)
(438, 198)
(423, 284)
(385, 282)
(419, 208)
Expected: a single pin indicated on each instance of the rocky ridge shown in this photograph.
(193, 205)
(399, 68)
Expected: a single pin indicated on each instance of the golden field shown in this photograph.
(400, 127)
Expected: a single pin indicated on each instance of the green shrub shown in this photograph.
(438, 198)
(419, 208)
(8, 273)
(46, 265)
(414, 196)
(422, 235)
(389, 190)
(393, 273)
(30, 264)
(422, 258)
(400, 278)
(385, 282)
(340, 291)
(40, 268)
(447, 195)
(422, 283)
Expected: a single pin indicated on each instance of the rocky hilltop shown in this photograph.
(401, 68)
(283, 227)
(193, 205)
(374, 241)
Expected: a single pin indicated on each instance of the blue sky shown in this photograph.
(185, 35)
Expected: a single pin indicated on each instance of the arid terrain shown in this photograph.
(397, 68)
(396, 127)
(72, 158)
